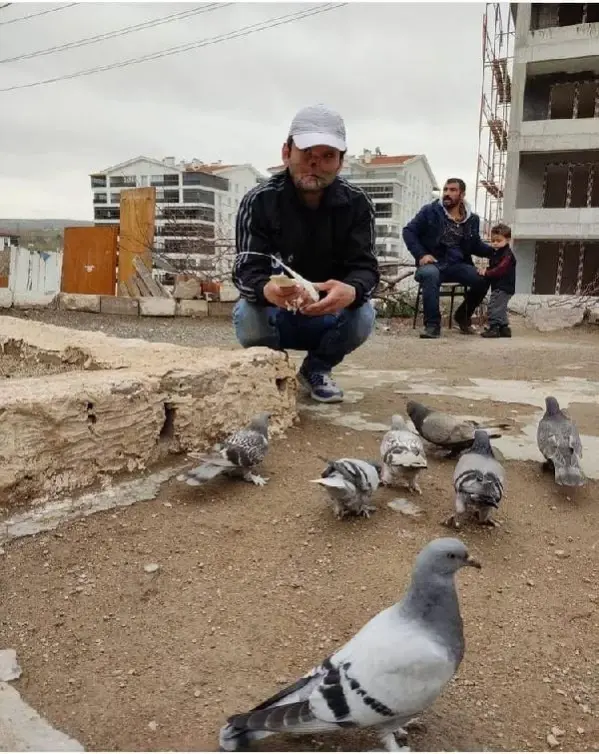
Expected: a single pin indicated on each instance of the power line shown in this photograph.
(118, 32)
(236, 34)
(39, 13)
(5, 5)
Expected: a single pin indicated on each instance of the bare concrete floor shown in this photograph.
(255, 585)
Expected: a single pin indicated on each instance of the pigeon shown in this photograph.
(445, 430)
(479, 481)
(560, 444)
(241, 452)
(393, 669)
(350, 484)
(403, 456)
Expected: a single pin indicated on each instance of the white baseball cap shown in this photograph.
(318, 125)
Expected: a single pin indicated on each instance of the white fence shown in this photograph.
(35, 273)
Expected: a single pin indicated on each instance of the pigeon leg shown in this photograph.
(547, 465)
(455, 520)
(484, 516)
(413, 481)
(256, 479)
(391, 744)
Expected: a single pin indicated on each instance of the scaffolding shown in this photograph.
(496, 97)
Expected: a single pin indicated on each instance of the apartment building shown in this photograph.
(552, 180)
(196, 204)
(398, 185)
(8, 239)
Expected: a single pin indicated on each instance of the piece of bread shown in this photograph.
(283, 281)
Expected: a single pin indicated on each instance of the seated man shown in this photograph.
(442, 238)
(323, 228)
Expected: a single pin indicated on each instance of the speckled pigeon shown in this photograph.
(241, 452)
(392, 670)
(445, 430)
(479, 481)
(403, 456)
(560, 444)
(350, 484)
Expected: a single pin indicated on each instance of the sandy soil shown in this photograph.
(255, 586)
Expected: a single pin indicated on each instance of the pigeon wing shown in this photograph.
(245, 448)
(445, 429)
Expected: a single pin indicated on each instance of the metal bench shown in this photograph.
(447, 290)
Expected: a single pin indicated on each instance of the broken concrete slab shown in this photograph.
(122, 305)
(10, 669)
(5, 298)
(187, 287)
(192, 308)
(153, 306)
(559, 317)
(23, 729)
(79, 302)
(136, 403)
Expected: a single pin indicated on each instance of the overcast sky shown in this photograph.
(405, 76)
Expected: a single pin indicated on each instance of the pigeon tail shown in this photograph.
(231, 738)
(210, 468)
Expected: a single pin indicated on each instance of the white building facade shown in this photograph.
(196, 204)
(399, 185)
(552, 179)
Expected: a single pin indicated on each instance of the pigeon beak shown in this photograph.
(470, 561)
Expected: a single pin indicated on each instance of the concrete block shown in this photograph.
(119, 305)
(6, 298)
(79, 302)
(593, 315)
(154, 306)
(35, 300)
(547, 319)
(220, 308)
(228, 293)
(192, 308)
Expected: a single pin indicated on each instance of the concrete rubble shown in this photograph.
(132, 404)
(549, 319)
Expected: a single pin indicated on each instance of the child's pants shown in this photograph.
(498, 302)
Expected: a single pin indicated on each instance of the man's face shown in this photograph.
(452, 195)
(312, 169)
(498, 242)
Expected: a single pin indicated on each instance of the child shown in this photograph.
(502, 274)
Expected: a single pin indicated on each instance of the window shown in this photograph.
(98, 181)
(100, 198)
(196, 178)
(571, 185)
(107, 213)
(122, 181)
(383, 210)
(198, 196)
(115, 198)
(164, 180)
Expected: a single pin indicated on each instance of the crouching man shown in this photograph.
(323, 228)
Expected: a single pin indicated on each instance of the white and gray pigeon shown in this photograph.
(391, 671)
(241, 452)
(445, 430)
(479, 481)
(403, 456)
(560, 444)
(350, 484)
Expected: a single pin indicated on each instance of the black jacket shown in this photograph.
(423, 234)
(502, 270)
(335, 241)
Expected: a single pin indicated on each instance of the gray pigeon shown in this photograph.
(241, 452)
(350, 484)
(403, 456)
(392, 670)
(560, 444)
(479, 481)
(445, 430)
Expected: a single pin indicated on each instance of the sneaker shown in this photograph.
(430, 333)
(321, 386)
(491, 332)
(505, 331)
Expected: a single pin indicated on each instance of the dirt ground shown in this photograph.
(254, 585)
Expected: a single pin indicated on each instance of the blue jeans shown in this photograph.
(327, 339)
(430, 277)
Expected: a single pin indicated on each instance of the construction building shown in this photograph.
(550, 192)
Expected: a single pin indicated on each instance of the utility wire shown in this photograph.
(39, 13)
(236, 34)
(5, 5)
(118, 32)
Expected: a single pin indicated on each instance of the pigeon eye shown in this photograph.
(451, 555)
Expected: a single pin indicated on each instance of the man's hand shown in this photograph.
(280, 296)
(339, 296)
(427, 259)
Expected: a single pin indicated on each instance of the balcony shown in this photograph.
(546, 49)
(559, 135)
(567, 224)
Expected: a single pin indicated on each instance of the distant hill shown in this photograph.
(26, 224)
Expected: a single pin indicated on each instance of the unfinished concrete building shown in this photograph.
(552, 182)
